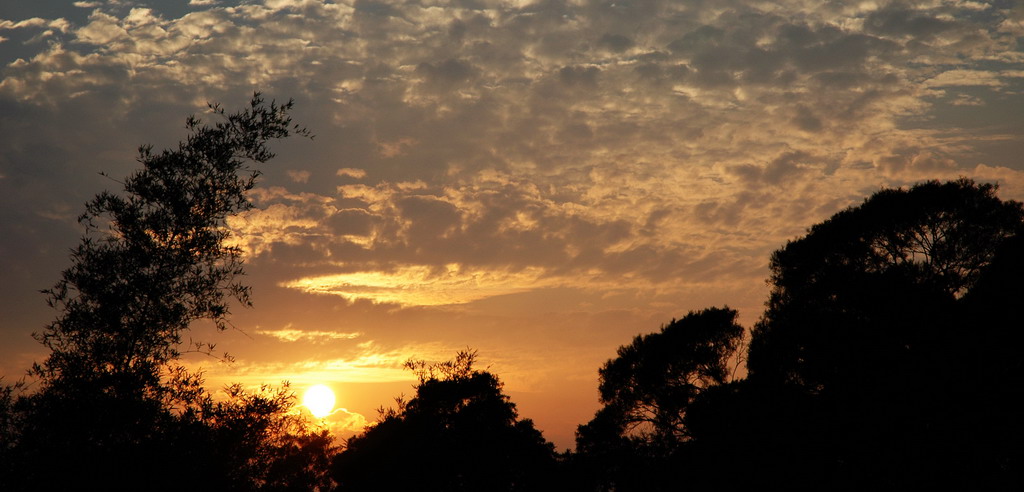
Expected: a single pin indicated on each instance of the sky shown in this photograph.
(538, 181)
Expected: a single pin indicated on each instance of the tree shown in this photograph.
(647, 391)
(887, 358)
(880, 277)
(651, 383)
(111, 406)
(458, 433)
(254, 440)
(155, 259)
(887, 327)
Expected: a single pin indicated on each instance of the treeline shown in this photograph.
(887, 357)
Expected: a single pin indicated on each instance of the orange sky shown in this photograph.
(539, 181)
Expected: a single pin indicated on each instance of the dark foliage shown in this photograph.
(154, 259)
(459, 433)
(110, 407)
(886, 359)
(865, 288)
(887, 332)
(647, 392)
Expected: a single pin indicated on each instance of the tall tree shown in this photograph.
(155, 259)
(887, 327)
(886, 359)
(111, 407)
(877, 281)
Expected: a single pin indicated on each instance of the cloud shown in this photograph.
(967, 100)
(288, 334)
(421, 286)
(546, 136)
(299, 176)
(343, 423)
(354, 173)
(367, 361)
(965, 78)
(258, 230)
(33, 22)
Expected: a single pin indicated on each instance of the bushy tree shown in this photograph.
(154, 259)
(647, 392)
(886, 359)
(110, 407)
(648, 387)
(856, 295)
(253, 440)
(458, 433)
(887, 328)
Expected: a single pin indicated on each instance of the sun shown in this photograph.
(319, 399)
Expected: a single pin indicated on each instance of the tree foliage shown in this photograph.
(886, 358)
(257, 441)
(459, 432)
(111, 407)
(647, 391)
(648, 387)
(155, 258)
(886, 330)
(865, 288)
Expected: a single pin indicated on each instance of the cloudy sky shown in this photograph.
(539, 181)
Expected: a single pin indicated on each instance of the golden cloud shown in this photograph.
(352, 172)
(314, 336)
(367, 362)
(422, 285)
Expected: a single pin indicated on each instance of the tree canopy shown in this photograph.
(649, 386)
(458, 433)
(111, 406)
(886, 358)
(866, 287)
(155, 259)
(886, 333)
(647, 391)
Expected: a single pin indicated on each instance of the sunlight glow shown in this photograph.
(319, 399)
(423, 286)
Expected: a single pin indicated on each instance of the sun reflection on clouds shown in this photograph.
(352, 172)
(343, 423)
(366, 362)
(422, 285)
(369, 362)
(288, 334)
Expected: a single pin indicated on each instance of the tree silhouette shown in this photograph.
(647, 391)
(886, 358)
(255, 441)
(111, 407)
(880, 330)
(154, 259)
(876, 280)
(458, 433)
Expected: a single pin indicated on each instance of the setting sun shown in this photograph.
(319, 399)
